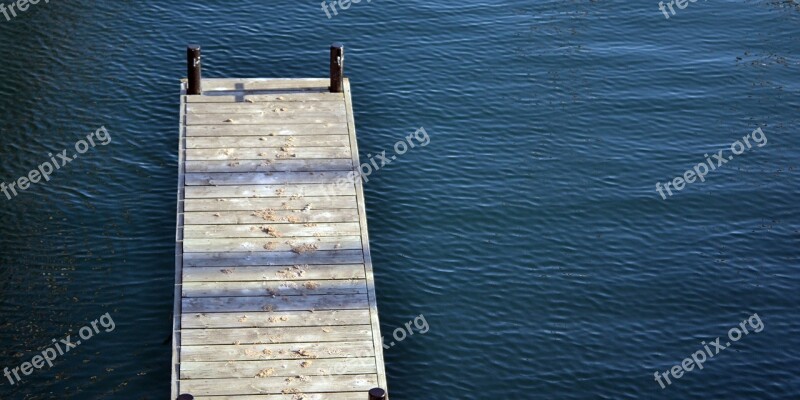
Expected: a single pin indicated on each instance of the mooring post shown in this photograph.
(337, 67)
(185, 397)
(193, 71)
(377, 394)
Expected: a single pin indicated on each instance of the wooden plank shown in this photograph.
(267, 154)
(274, 273)
(277, 303)
(276, 203)
(265, 119)
(270, 216)
(271, 258)
(241, 96)
(245, 110)
(280, 129)
(304, 396)
(246, 336)
(176, 302)
(274, 165)
(282, 232)
(313, 107)
(226, 142)
(279, 165)
(277, 351)
(352, 242)
(252, 369)
(250, 84)
(272, 288)
(263, 178)
(264, 319)
(276, 385)
(286, 192)
(376, 327)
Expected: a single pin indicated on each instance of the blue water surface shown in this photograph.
(529, 232)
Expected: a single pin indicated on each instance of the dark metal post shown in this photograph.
(377, 394)
(185, 397)
(337, 67)
(193, 70)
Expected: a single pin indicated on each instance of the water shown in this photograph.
(528, 232)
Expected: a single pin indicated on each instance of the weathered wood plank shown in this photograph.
(241, 96)
(279, 165)
(226, 142)
(264, 178)
(287, 275)
(271, 258)
(245, 336)
(233, 245)
(278, 351)
(376, 328)
(253, 369)
(176, 301)
(270, 216)
(277, 303)
(311, 107)
(272, 288)
(264, 319)
(275, 385)
(267, 155)
(259, 119)
(279, 129)
(249, 84)
(276, 273)
(286, 192)
(282, 232)
(304, 396)
(277, 203)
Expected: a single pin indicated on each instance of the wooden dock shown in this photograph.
(274, 290)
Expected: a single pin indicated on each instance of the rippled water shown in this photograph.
(528, 232)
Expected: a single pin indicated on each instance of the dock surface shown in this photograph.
(275, 295)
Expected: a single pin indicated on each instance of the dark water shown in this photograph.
(528, 232)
